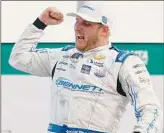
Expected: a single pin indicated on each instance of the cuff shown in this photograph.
(39, 24)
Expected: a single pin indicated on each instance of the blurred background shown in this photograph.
(137, 26)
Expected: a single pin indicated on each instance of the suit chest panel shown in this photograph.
(94, 69)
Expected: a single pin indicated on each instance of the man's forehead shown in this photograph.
(80, 18)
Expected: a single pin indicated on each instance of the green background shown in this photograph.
(155, 54)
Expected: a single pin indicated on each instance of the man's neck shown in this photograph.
(92, 48)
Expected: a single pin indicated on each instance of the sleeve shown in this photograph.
(26, 57)
(137, 84)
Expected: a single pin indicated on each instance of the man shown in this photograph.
(92, 82)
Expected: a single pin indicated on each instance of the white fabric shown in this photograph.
(93, 12)
(84, 91)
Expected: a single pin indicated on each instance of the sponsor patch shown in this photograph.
(100, 73)
(140, 71)
(72, 66)
(104, 19)
(99, 64)
(99, 60)
(40, 50)
(99, 57)
(90, 60)
(63, 63)
(138, 65)
(122, 56)
(143, 76)
(144, 80)
(68, 84)
(77, 55)
(86, 69)
(61, 69)
(66, 56)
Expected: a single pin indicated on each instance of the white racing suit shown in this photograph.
(90, 90)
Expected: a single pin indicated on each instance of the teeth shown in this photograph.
(80, 37)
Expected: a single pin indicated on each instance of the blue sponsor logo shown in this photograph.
(104, 20)
(77, 55)
(122, 56)
(65, 83)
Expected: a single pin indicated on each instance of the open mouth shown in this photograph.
(79, 37)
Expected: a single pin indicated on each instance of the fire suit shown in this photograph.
(90, 90)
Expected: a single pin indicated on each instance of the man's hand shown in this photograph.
(51, 16)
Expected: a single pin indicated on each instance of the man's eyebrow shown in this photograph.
(90, 22)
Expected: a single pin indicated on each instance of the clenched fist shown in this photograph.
(51, 16)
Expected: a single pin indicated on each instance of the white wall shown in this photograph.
(133, 21)
(26, 100)
(16, 15)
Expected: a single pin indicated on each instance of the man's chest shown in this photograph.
(93, 73)
(92, 66)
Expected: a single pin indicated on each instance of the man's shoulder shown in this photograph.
(61, 50)
(120, 55)
(123, 55)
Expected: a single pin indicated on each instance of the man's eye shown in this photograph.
(87, 24)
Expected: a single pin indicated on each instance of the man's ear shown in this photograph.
(105, 31)
(109, 31)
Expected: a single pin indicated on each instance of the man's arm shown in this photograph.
(136, 82)
(25, 56)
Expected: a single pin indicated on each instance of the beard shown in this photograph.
(91, 43)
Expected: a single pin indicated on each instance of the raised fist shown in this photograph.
(51, 16)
